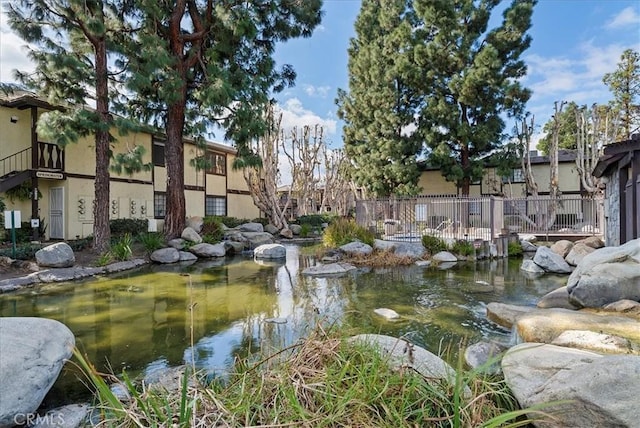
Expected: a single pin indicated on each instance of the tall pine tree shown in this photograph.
(195, 64)
(73, 42)
(470, 78)
(380, 106)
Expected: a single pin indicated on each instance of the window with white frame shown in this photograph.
(159, 205)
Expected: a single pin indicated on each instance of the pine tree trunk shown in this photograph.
(174, 162)
(101, 231)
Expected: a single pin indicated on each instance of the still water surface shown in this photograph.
(213, 311)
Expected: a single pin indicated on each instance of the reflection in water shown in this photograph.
(215, 311)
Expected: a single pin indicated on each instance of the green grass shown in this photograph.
(321, 381)
(342, 231)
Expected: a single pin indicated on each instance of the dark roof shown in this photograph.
(23, 100)
(614, 153)
(564, 156)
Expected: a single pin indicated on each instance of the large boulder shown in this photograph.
(504, 314)
(606, 275)
(577, 253)
(189, 234)
(585, 389)
(255, 239)
(545, 325)
(357, 248)
(56, 255)
(562, 247)
(558, 298)
(295, 228)
(531, 267)
(401, 353)
(270, 251)
(550, 261)
(272, 229)
(195, 223)
(444, 257)
(165, 255)
(205, 250)
(331, 269)
(251, 227)
(32, 355)
(484, 357)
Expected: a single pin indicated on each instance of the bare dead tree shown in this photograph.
(302, 149)
(338, 189)
(597, 127)
(263, 181)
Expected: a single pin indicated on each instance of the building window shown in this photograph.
(157, 152)
(215, 205)
(217, 163)
(517, 176)
(159, 205)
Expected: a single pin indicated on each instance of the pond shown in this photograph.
(214, 311)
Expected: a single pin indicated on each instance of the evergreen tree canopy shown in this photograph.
(470, 77)
(624, 84)
(567, 132)
(382, 100)
(194, 64)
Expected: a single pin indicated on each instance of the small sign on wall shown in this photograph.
(35, 222)
(12, 219)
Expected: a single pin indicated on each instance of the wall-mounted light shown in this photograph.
(13, 119)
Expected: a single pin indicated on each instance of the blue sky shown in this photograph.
(575, 42)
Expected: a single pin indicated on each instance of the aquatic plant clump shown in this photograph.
(342, 231)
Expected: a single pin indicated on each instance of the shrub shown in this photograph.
(342, 231)
(433, 244)
(514, 249)
(212, 229)
(121, 250)
(316, 220)
(462, 247)
(151, 241)
(263, 221)
(131, 226)
(80, 244)
(305, 230)
(23, 252)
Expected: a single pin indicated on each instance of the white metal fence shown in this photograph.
(480, 218)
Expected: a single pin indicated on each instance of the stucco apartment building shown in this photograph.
(64, 177)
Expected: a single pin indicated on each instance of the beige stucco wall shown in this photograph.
(194, 202)
(216, 185)
(192, 177)
(14, 136)
(433, 183)
(241, 206)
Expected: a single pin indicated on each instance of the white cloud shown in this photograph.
(316, 91)
(626, 18)
(13, 52)
(294, 114)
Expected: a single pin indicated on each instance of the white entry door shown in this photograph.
(56, 213)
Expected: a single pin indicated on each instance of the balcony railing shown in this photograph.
(49, 156)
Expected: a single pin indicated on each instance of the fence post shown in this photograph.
(492, 208)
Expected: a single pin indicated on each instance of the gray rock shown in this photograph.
(382, 245)
(188, 234)
(506, 315)
(530, 266)
(594, 391)
(562, 247)
(444, 256)
(167, 379)
(57, 255)
(624, 306)
(165, 255)
(33, 353)
(412, 250)
(607, 275)
(550, 261)
(67, 274)
(544, 325)
(271, 229)
(356, 248)
(596, 342)
(527, 237)
(256, 239)
(177, 243)
(70, 416)
(485, 357)
(270, 251)
(251, 227)
(234, 247)
(286, 233)
(126, 265)
(577, 253)
(195, 223)
(331, 269)
(209, 250)
(402, 353)
(295, 228)
(593, 242)
(185, 256)
(387, 313)
(528, 247)
(558, 298)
